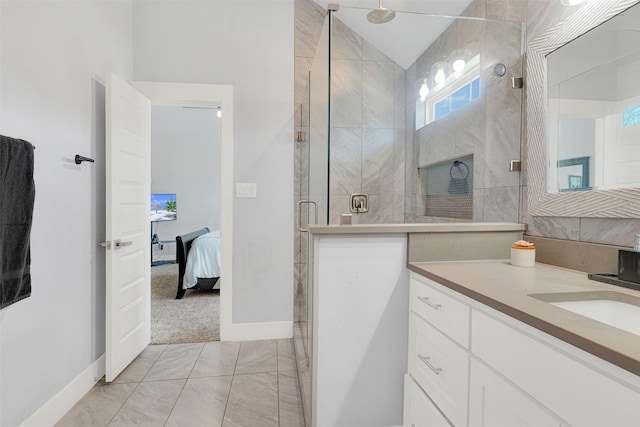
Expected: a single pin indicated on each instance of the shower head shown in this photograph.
(380, 15)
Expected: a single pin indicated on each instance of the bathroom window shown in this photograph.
(447, 100)
(456, 100)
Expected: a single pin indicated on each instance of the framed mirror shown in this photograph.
(575, 168)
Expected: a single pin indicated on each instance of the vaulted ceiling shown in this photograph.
(410, 33)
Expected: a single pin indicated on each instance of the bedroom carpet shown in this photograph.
(194, 318)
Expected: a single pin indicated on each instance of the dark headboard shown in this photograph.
(183, 245)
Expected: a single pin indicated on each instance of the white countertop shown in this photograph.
(416, 228)
(506, 288)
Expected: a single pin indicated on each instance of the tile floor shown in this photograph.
(228, 384)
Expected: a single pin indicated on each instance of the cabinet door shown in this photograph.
(419, 411)
(493, 402)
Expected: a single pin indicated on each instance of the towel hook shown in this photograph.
(79, 159)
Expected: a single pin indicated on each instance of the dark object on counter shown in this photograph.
(629, 266)
(17, 195)
(613, 279)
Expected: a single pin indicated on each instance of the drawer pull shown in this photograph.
(427, 361)
(429, 303)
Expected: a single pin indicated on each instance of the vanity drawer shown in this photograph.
(419, 411)
(440, 367)
(444, 312)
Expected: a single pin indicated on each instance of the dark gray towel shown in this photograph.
(17, 195)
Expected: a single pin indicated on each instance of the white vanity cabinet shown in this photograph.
(494, 402)
(484, 368)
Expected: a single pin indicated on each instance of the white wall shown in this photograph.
(55, 56)
(247, 44)
(185, 159)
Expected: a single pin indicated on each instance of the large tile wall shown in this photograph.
(489, 128)
(367, 129)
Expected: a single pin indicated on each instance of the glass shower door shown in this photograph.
(313, 205)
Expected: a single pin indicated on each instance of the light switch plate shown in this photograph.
(246, 190)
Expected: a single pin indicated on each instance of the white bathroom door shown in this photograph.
(128, 187)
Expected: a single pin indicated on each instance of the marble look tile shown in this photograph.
(338, 205)
(444, 45)
(253, 401)
(477, 9)
(346, 93)
(507, 10)
(346, 161)
(399, 97)
(377, 94)
(371, 53)
(290, 403)
(437, 141)
(609, 231)
(501, 204)
(554, 227)
(176, 362)
(150, 404)
(257, 356)
(502, 135)
(471, 36)
(201, 403)
(504, 42)
(309, 19)
(470, 128)
(478, 205)
(398, 175)
(216, 359)
(345, 43)
(380, 210)
(377, 161)
(286, 361)
(140, 366)
(98, 406)
(398, 208)
(301, 73)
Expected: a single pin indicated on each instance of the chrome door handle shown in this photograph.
(300, 203)
(106, 244)
(429, 303)
(427, 361)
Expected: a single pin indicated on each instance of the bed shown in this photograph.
(198, 258)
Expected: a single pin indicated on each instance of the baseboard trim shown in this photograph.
(52, 411)
(260, 331)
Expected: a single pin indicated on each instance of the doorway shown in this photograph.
(210, 97)
(185, 198)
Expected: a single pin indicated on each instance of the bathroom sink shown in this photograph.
(616, 309)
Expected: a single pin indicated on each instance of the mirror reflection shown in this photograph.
(593, 108)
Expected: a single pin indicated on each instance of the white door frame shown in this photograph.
(207, 95)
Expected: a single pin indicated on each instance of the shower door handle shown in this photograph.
(308, 202)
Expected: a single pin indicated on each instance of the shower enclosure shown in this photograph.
(424, 126)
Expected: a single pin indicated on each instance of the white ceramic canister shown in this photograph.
(523, 256)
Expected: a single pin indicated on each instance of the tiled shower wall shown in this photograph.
(488, 128)
(367, 129)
